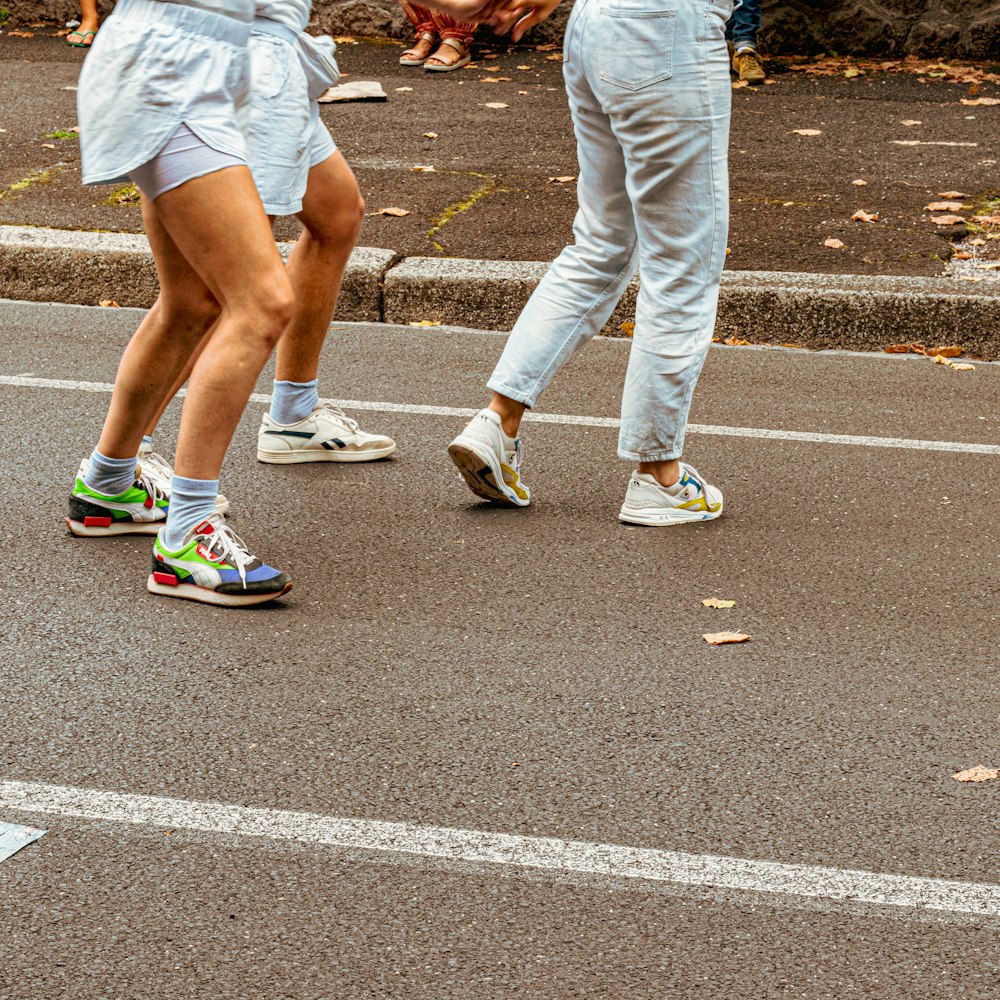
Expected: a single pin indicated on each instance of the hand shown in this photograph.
(522, 15)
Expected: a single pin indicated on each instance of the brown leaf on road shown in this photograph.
(993, 265)
(491, 69)
(496, 104)
(964, 367)
(736, 342)
(862, 216)
(943, 206)
(911, 121)
(740, 83)
(548, 47)
(723, 638)
(421, 169)
(566, 179)
(979, 101)
(109, 304)
(628, 328)
(947, 220)
(403, 90)
(555, 57)
(978, 773)
(716, 602)
(859, 183)
(987, 220)
(495, 79)
(948, 351)
(805, 131)
(430, 135)
(940, 359)
(48, 145)
(905, 349)
(395, 212)
(951, 195)
(20, 34)
(833, 243)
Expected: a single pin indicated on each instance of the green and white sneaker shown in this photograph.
(326, 435)
(691, 499)
(140, 510)
(214, 566)
(160, 472)
(490, 462)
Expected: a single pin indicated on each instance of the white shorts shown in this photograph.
(153, 67)
(182, 159)
(286, 137)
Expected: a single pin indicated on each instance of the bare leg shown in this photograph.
(332, 213)
(245, 279)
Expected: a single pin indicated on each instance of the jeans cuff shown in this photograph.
(668, 455)
(519, 397)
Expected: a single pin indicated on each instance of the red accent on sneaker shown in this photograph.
(148, 502)
(205, 528)
(212, 557)
(167, 579)
(97, 522)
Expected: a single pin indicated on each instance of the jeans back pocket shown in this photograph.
(637, 46)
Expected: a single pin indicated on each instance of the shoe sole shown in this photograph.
(189, 592)
(130, 528)
(667, 519)
(475, 464)
(317, 455)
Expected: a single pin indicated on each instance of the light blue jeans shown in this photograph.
(649, 92)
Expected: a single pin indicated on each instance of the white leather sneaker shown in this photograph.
(647, 502)
(326, 435)
(490, 462)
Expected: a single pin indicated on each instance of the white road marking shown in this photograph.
(919, 142)
(574, 420)
(836, 885)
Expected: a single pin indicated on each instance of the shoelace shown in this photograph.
(149, 484)
(154, 461)
(336, 411)
(225, 543)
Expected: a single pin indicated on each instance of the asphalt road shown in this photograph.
(432, 644)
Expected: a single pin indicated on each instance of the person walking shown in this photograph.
(650, 99)
(741, 33)
(161, 101)
(442, 43)
(298, 171)
(82, 36)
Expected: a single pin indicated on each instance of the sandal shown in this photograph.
(417, 56)
(82, 35)
(440, 66)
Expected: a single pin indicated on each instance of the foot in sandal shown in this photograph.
(451, 54)
(422, 48)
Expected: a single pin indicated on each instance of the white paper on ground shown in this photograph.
(14, 837)
(356, 90)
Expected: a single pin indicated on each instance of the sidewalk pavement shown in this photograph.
(491, 196)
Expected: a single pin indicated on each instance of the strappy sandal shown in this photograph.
(464, 57)
(412, 57)
(82, 35)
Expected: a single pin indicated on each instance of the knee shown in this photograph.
(272, 307)
(340, 226)
(192, 314)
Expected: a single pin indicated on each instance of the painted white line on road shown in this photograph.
(834, 885)
(574, 420)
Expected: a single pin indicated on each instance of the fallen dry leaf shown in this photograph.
(993, 265)
(861, 216)
(911, 121)
(496, 104)
(961, 255)
(978, 773)
(425, 322)
(806, 131)
(986, 220)
(940, 359)
(547, 47)
(964, 367)
(524, 67)
(906, 349)
(988, 101)
(948, 351)
(20, 34)
(345, 40)
(491, 69)
(48, 145)
(943, 206)
(716, 602)
(853, 71)
(403, 90)
(628, 327)
(736, 342)
(568, 178)
(722, 638)
(833, 243)
(859, 183)
(555, 57)
(420, 169)
(395, 212)
(430, 135)
(792, 347)
(947, 220)
(109, 303)
(952, 195)
(740, 83)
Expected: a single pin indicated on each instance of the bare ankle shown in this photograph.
(510, 412)
(665, 473)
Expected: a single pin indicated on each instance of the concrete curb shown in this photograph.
(817, 311)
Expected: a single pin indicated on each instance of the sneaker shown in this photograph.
(160, 471)
(749, 67)
(326, 435)
(647, 502)
(140, 510)
(490, 462)
(214, 566)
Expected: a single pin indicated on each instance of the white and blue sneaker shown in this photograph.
(326, 435)
(689, 499)
(490, 462)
